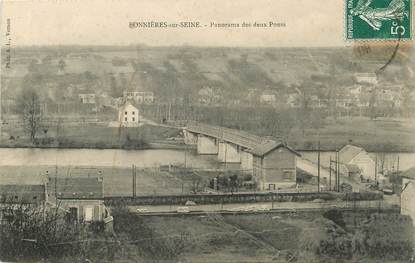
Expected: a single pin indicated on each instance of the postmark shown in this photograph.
(378, 19)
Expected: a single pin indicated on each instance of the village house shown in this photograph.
(356, 90)
(268, 97)
(274, 165)
(128, 115)
(316, 103)
(368, 78)
(294, 100)
(139, 97)
(353, 157)
(407, 196)
(87, 98)
(23, 194)
(81, 197)
(345, 100)
(208, 95)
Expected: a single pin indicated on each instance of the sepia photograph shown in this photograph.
(207, 131)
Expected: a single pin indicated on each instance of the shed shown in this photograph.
(274, 165)
(354, 155)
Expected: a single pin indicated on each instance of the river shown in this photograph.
(155, 157)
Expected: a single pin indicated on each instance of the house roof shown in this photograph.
(348, 152)
(410, 173)
(22, 194)
(126, 104)
(76, 187)
(268, 146)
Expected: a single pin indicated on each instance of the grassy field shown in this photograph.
(91, 136)
(373, 135)
(303, 237)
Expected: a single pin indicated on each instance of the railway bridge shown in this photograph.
(234, 146)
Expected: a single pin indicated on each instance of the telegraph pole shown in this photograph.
(330, 174)
(397, 167)
(318, 168)
(134, 175)
(376, 169)
(338, 165)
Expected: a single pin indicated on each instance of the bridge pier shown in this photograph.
(229, 152)
(190, 138)
(207, 145)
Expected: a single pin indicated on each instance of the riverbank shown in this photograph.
(373, 136)
(96, 137)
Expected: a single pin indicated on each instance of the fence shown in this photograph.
(240, 198)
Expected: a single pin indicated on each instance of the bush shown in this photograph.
(36, 233)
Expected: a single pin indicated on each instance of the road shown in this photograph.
(265, 206)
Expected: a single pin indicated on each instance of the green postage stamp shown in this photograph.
(378, 19)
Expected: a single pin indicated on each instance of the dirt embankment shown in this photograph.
(301, 237)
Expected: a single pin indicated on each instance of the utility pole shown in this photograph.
(318, 167)
(376, 169)
(339, 172)
(336, 163)
(56, 180)
(335, 173)
(330, 174)
(397, 167)
(134, 175)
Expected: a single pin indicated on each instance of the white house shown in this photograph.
(139, 97)
(353, 155)
(87, 98)
(370, 78)
(408, 193)
(268, 97)
(128, 115)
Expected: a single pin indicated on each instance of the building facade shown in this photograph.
(128, 115)
(408, 197)
(81, 197)
(139, 97)
(274, 166)
(352, 155)
(89, 98)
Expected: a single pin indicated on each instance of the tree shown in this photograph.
(31, 113)
(61, 65)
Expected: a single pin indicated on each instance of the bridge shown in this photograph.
(231, 146)
(234, 146)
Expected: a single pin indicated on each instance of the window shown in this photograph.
(133, 112)
(125, 113)
(133, 119)
(125, 119)
(89, 212)
(34, 197)
(73, 214)
(287, 175)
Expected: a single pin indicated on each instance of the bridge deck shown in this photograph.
(241, 138)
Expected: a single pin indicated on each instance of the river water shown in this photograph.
(156, 157)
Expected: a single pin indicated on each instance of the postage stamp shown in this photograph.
(378, 19)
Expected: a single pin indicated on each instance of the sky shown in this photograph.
(309, 23)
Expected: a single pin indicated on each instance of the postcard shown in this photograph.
(207, 131)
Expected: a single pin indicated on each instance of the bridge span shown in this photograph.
(234, 146)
